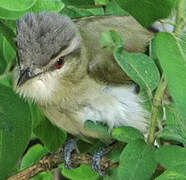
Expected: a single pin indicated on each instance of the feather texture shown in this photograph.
(102, 65)
(90, 85)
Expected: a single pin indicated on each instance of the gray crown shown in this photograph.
(42, 36)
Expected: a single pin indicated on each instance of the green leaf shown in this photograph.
(170, 156)
(8, 34)
(51, 136)
(37, 115)
(47, 5)
(173, 63)
(171, 133)
(75, 12)
(33, 155)
(40, 5)
(84, 172)
(112, 174)
(43, 176)
(173, 130)
(11, 15)
(3, 63)
(85, 147)
(152, 51)
(6, 81)
(11, 24)
(15, 129)
(137, 161)
(101, 2)
(15, 9)
(18, 5)
(79, 3)
(9, 52)
(126, 134)
(148, 11)
(113, 8)
(183, 40)
(140, 67)
(97, 127)
(114, 155)
(174, 173)
(110, 39)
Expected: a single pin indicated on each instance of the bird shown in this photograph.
(63, 68)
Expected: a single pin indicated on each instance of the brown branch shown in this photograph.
(51, 161)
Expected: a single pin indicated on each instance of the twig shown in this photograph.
(51, 161)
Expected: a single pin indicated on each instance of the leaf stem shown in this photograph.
(163, 84)
(179, 17)
(156, 104)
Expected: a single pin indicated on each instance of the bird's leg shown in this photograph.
(69, 148)
(96, 159)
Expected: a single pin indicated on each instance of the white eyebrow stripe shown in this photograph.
(75, 43)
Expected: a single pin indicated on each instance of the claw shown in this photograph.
(69, 147)
(96, 160)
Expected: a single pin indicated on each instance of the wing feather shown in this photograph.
(102, 65)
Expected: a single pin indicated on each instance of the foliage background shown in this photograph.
(21, 121)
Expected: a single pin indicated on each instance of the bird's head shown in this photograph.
(48, 47)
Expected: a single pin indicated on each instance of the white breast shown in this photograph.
(116, 106)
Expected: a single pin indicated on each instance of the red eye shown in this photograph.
(59, 63)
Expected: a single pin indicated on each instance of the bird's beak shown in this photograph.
(25, 74)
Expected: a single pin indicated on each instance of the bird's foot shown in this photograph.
(96, 160)
(69, 148)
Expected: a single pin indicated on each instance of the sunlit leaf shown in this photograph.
(110, 39)
(33, 155)
(18, 5)
(126, 134)
(47, 5)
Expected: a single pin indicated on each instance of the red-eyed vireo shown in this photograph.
(63, 68)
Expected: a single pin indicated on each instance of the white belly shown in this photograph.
(117, 106)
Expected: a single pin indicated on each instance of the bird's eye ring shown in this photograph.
(59, 63)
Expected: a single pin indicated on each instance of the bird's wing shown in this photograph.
(102, 65)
